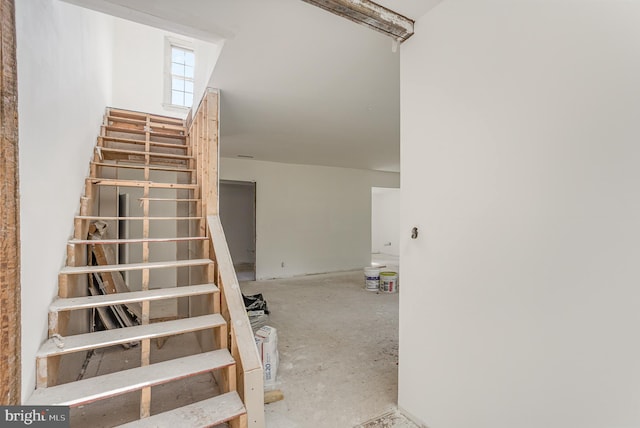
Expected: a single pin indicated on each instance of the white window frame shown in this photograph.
(171, 42)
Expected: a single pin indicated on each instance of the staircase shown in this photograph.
(160, 272)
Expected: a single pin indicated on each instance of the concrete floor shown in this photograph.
(338, 346)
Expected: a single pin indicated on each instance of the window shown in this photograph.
(182, 67)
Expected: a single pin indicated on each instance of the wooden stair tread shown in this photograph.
(102, 339)
(89, 390)
(87, 302)
(150, 167)
(141, 153)
(141, 131)
(105, 218)
(134, 240)
(209, 412)
(76, 270)
(143, 142)
(140, 183)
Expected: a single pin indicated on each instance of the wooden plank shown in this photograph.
(209, 412)
(371, 15)
(113, 280)
(151, 167)
(136, 114)
(142, 142)
(101, 339)
(105, 218)
(139, 183)
(134, 240)
(10, 333)
(250, 373)
(103, 313)
(141, 153)
(170, 199)
(141, 131)
(111, 120)
(145, 354)
(98, 388)
(77, 270)
(273, 396)
(212, 154)
(96, 288)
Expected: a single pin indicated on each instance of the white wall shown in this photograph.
(64, 84)
(139, 67)
(385, 220)
(520, 298)
(314, 219)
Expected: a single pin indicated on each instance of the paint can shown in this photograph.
(371, 279)
(389, 282)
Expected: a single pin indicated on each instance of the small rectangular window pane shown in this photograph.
(189, 59)
(177, 55)
(177, 69)
(177, 98)
(188, 72)
(188, 99)
(177, 84)
(188, 86)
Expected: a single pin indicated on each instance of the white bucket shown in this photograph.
(389, 282)
(371, 279)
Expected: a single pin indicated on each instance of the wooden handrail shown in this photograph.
(242, 343)
(203, 138)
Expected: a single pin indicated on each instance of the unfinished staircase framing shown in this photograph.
(172, 166)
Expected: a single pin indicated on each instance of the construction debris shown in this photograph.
(267, 342)
(116, 316)
(257, 310)
(273, 396)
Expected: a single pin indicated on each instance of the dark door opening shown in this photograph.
(238, 217)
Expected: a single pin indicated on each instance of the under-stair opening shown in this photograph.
(238, 216)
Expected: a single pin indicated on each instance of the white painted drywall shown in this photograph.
(520, 299)
(64, 84)
(237, 215)
(385, 220)
(139, 67)
(314, 219)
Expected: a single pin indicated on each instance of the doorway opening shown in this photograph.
(385, 227)
(238, 218)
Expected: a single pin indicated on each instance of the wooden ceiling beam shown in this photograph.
(370, 14)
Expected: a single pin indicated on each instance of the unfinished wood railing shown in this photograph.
(203, 137)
